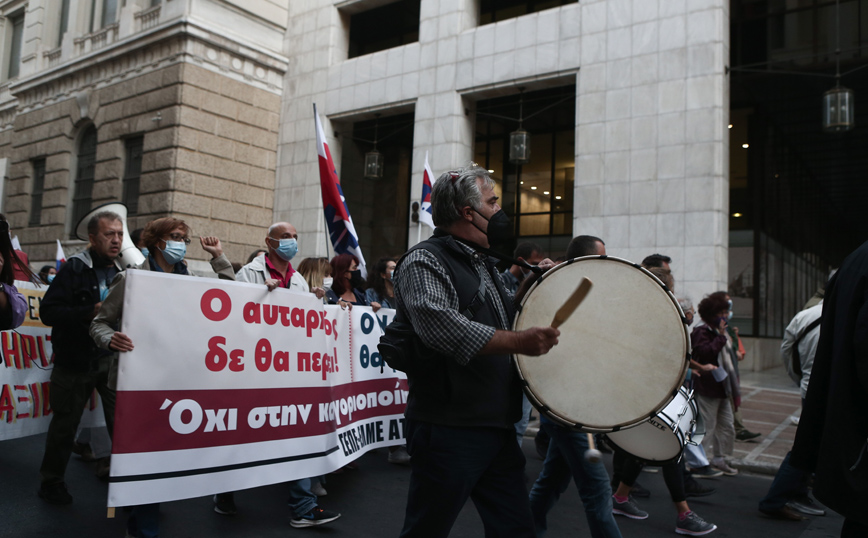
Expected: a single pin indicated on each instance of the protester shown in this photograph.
(69, 305)
(464, 393)
(274, 269)
(716, 391)
(831, 439)
(347, 285)
(166, 240)
(47, 274)
(381, 292)
(675, 475)
(528, 252)
(20, 263)
(317, 272)
(565, 457)
(657, 260)
(13, 305)
(788, 497)
(741, 432)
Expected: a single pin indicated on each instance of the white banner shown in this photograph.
(25, 370)
(231, 386)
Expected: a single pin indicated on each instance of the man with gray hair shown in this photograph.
(464, 394)
(71, 302)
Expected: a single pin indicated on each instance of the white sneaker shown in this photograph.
(721, 465)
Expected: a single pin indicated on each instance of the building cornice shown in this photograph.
(182, 40)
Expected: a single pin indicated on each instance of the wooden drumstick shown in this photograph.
(592, 454)
(572, 303)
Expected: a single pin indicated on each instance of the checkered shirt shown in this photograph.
(424, 291)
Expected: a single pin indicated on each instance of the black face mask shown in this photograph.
(499, 227)
(356, 279)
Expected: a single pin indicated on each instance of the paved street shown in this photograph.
(372, 499)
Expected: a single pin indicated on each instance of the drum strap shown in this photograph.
(477, 302)
(797, 360)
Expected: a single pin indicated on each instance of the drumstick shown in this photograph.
(592, 454)
(572, 303)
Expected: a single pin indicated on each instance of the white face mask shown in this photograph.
(327, 282)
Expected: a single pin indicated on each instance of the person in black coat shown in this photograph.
(832, 438)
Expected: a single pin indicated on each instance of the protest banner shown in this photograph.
(25, 370)
(230, 386)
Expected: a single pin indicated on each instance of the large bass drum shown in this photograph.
(621, 356)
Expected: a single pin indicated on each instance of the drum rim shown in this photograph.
(683, 437)
(597, 428)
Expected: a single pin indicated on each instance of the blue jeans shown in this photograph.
(144, 521)
(789, 482)
(301, 499)
(566, 459)
(521, 425)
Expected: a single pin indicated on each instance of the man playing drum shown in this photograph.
(464, 392)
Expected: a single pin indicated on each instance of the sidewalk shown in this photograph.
(768, 400)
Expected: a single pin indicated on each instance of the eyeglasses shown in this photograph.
(180, 237)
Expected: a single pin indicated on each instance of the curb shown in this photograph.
(756, 467)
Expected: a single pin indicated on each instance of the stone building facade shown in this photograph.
(170, 106)
(651, 108)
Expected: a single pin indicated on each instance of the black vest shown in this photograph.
(484, 393)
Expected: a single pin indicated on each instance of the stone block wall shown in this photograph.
(209, 156)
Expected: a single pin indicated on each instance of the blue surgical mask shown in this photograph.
(729, 315)
(51, 278)
(287, 249)
(730, 304)
(174, 251)
(145, 251)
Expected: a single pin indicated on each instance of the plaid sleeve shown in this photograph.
(424, 291)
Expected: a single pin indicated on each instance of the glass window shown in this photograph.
(132, 173)
(17, 22)
(83, 188)
(64, 21)
(379, 207)
(384, 27)
(538, 196)
(499, 10)
(109, 12)
(36, 191)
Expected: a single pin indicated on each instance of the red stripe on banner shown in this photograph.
(156, 421)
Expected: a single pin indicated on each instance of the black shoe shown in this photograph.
(745, 435)
(55, 494)
(639, 491)
(692, 488)
(784, 512)
(224, 503)
(315, 517)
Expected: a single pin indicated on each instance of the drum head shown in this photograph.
(622, 354)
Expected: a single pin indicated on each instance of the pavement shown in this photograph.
(372, 499)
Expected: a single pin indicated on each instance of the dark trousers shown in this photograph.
(789, 482)
(449, 465)
(627, 470)
(69, 394)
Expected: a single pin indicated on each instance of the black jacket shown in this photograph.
(832, 439)
(68, 309)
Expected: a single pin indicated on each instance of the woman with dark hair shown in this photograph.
(380, 292)
(46, 274)
(12, 303)
(716, 386)
(347, 282)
